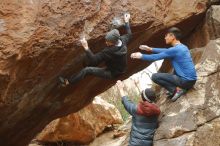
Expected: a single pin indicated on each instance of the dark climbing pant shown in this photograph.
(171, 81)
(96, 71)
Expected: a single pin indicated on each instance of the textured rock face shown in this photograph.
(83, 126)
(39, 42)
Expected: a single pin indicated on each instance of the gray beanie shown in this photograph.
(113, 35)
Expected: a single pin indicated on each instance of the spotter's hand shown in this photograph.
(145, 48)
(136, 55)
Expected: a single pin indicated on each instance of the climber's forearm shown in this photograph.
(92, 58)
(89, 54)
(128, 29)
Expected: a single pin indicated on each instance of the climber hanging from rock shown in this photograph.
(114, 56)
(184, 76)
(144, 116)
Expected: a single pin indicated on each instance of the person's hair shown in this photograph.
(176, 32)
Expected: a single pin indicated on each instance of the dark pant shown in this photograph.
(96, 71)
(171, 81)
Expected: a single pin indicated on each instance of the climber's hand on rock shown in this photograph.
(136, 55)
(145, 48)
(84, 43)
(127, 17)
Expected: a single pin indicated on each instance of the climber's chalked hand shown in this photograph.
(84, 43)
(127, 17)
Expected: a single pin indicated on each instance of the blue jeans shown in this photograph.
(171, 81)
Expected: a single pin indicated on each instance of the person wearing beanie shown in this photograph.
(144, 116)
(184, 76)
(114, 56)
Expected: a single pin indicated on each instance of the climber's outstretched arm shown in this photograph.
(94, 59)
(127, 37)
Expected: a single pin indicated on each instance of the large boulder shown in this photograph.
(84, 126)
(39, 42)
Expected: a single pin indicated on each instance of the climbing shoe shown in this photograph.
(64, 82)
(178, 94)
(169, 94)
